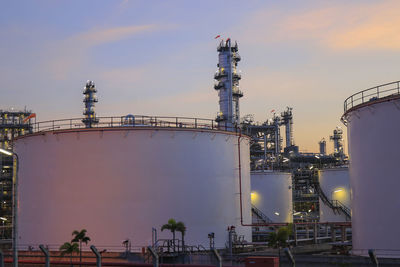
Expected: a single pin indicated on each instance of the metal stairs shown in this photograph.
(260, 215)
(335, 205)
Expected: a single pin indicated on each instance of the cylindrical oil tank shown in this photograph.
(271, 193)
(335, 183)
(119, 183)
(373, 136)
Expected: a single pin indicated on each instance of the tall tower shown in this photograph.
(227, 83)
(90, 98)
(322, 146)
(337, 138)
(287, 120)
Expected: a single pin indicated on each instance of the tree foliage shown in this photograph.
(69, 248)
(279, 239)
(81, 237)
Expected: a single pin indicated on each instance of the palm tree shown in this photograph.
(180, 227)
(69, 248)
(171, 225)
(80, 236)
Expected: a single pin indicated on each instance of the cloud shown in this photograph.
(96, 37)
(347, 26)
(72, 53)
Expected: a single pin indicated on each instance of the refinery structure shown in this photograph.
(243, 182)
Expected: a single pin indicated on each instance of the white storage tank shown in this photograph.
(271, 193)
(373, 123)
(118, 183)
(335, 183)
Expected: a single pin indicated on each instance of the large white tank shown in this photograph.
(271, 193)
(335, 183)
(118, 183)
(373, 123)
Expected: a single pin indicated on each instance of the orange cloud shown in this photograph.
(348, 26)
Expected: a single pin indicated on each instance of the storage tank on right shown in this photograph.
(372, 118)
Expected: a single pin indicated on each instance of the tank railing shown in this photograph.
(133, 121)
(371, 94)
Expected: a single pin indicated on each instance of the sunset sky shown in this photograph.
(159, 57)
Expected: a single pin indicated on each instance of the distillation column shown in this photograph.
(90, 98)
(227, 84)
(337, 138)
(287, 120)
(322, 146)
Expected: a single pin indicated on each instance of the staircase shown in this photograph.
(335, 205)
(260, 215)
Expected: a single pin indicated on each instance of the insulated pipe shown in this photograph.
(46, 254)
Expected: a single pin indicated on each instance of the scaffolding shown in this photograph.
(265, 146)
(12, 124)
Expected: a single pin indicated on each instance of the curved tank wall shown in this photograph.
(373, 138)
(336, 185)
(119, 183)
(271, 192)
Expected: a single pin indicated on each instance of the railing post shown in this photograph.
(315, 233)
(46, 254)
(377, 91)
(176, 120)
(195, 123)
(218, 257)
(333, 233)
(362, 96)
(98, 256)
(155, 256)
(398, 88)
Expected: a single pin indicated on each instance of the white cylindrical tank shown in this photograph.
(335, 183)
(271, 193)
(118, 183)
(373, 138)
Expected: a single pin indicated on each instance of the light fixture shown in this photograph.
(6, 152)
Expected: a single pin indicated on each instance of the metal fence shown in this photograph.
(372, 94)
(133, 121)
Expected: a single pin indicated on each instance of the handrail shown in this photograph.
(260, 214)
(132, 121)
(372, 94)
